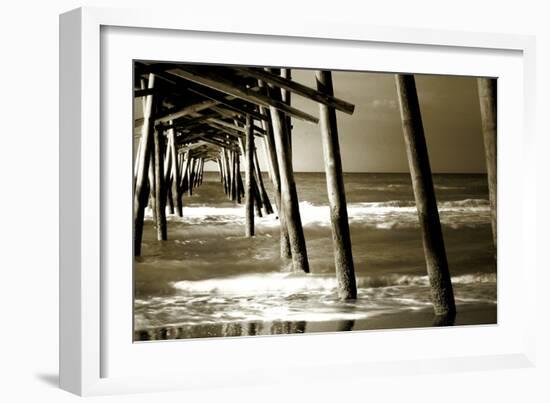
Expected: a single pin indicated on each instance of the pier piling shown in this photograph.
(341, 239)
(428, 215)
(289, 197)
(141, 191)
(249, 167)
(487, 88)
(160, 189)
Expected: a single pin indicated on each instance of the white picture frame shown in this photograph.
(88, 315)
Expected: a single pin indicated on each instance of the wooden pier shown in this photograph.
(193, 115)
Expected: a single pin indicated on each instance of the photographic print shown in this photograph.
(279, 200)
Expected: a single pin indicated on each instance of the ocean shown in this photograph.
(208, 280)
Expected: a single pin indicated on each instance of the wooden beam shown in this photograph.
(144, 92)
(235, 112)
(176, 113)
(426, 205)
(258, 131)
(188, 123)
(232, 132)
(225, 85)
(298, 88)
(218, 143)
(228, 102)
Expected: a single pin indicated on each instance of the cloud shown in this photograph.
(382, 104)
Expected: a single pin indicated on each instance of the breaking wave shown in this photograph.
(290, 283)
(382, 215)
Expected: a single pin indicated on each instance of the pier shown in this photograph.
(193, 115)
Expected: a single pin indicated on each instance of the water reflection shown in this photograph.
(444, 320)
(346, 325)
(234, 329)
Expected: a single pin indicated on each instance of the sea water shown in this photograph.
(209, 280)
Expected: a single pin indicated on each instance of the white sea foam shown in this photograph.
(290, 283)
(291, 297)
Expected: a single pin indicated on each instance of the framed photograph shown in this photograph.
(246, 204)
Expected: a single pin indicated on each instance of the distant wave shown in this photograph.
(382, 215)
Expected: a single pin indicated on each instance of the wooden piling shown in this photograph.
(141, 191)
(289, 197)
(175, 171)
(257, 198)
(167, 169)
(276, 180)
(428, 215)
(487, 88)
(190, 168)
(170, 197)
(227, 155)
(201, 171)
(153, 186)
(234, 175)
(239, 179)
(222, 170)
(184, 173)
(341, 240)
(249, 167)
(264, 198)
(286, 98)
(160, 191)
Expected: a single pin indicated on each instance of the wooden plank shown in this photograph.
(225, 85)
(298, 88)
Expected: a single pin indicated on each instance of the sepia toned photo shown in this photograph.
(274, 201)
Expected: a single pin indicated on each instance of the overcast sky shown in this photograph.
(371, 140)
